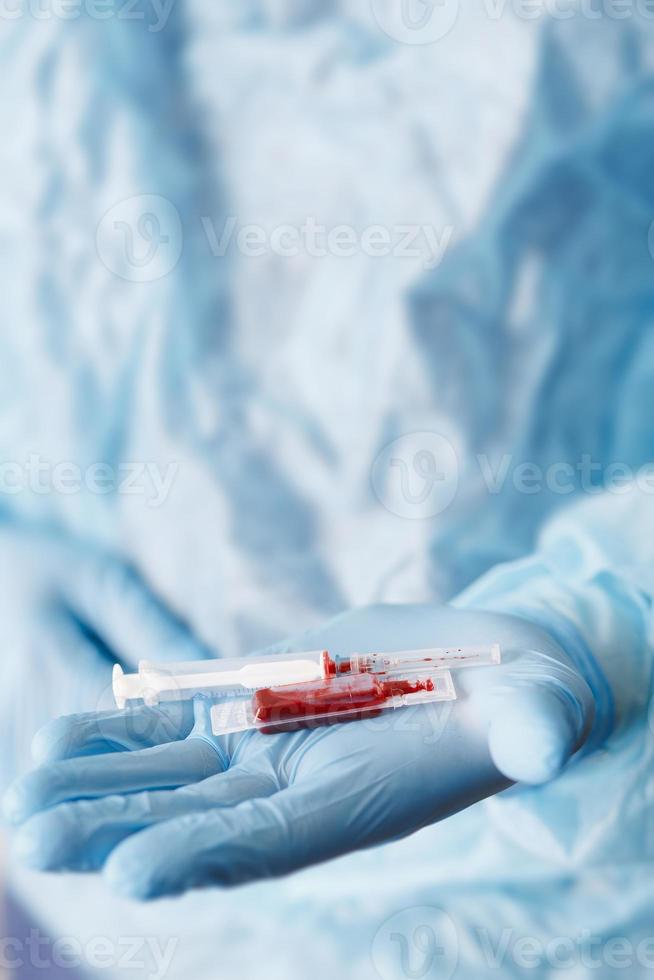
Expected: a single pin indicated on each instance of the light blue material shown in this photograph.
(272, 385)
(68, 613)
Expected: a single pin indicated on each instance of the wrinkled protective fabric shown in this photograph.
(273, 384)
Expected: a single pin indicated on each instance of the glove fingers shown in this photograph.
(100, 732)
(534, 730)
(160, 767)
(79, 836)
(259, 838)
(114, 602)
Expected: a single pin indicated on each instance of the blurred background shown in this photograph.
(300, 301)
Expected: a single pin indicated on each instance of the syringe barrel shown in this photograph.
(428, 659)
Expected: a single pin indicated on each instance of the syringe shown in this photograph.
(237, 677)
(182, 681)
(428, 659)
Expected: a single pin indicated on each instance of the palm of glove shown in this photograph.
(164, 806)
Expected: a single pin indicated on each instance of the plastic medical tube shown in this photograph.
(427, 659)
(336, 699)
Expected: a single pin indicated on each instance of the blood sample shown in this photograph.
(290, 707)
(294, 706)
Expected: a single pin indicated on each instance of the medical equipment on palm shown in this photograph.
(183, 681)
(273, 694)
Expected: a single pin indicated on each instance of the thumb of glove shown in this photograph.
(535, 729)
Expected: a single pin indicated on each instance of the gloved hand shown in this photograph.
(67, 614)
(203, 810)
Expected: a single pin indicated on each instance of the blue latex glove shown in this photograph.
(203, 810)
(67, 614)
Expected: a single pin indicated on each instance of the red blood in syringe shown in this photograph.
(292, 707)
